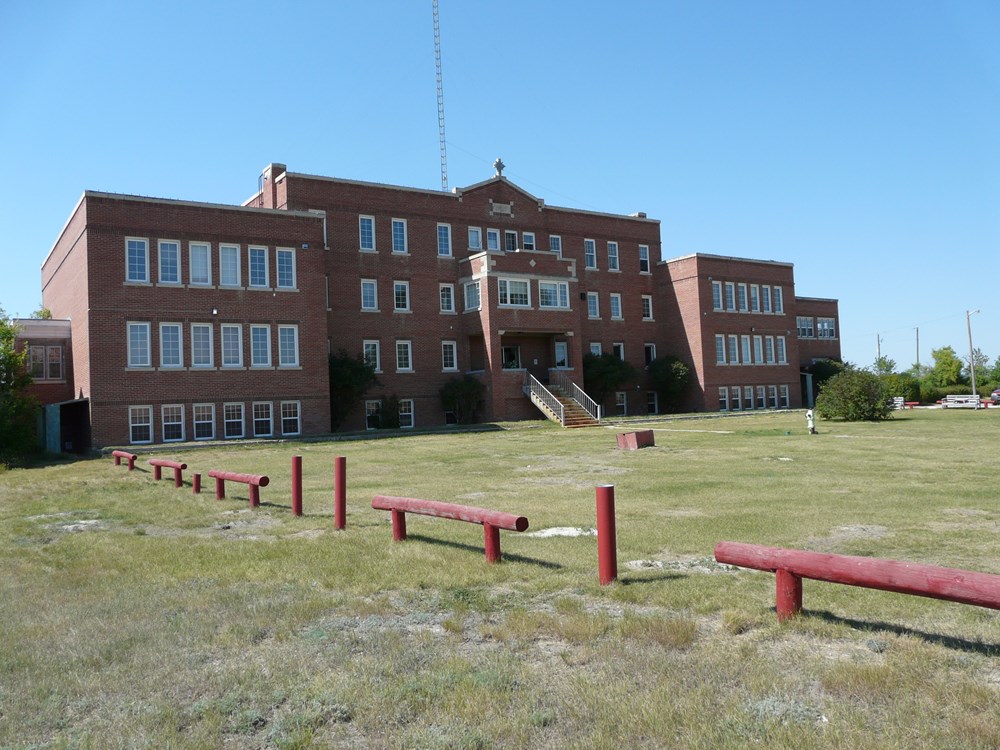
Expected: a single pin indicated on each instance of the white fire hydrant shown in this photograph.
(810, 422)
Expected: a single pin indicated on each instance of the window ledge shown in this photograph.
(136, 283)
(369, 309)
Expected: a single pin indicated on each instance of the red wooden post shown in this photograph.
(196, 484)
(178, 479)
(340, 494)
(220, 488)
(788, 599)
(398, 526)
(297, 485)
(118, 460)
(254, 492)
(157, 472)
(131, 462)
(607, 553)
(492, 542)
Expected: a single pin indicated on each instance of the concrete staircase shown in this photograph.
(573, 414)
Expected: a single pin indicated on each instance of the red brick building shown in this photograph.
(205, 321)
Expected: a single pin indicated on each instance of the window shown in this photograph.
(472, 295)
(618, 349)
(404, 360)
(616, 306)
(406, 413)
(232, 345)
(783, 391)
(514, 292)
(232, 420)
(401, 296)
(201, 345)
(716, 295)
(493, 239)
(772, 397)
(741, 297)
(53, 363)
(172, 417)
(288, 346)
(723, 398)
(644, 264)
(779, 303)
(510, 357)
(510, 241)
(204, 421)
(170, 262)
(781, 350)
(140, 424)
(528, 240)
(720, 349)
(286, 267)
(260, 346)
(730, 296)
(734, 398)
(400, 246)
(36, 362)
(613, 256)
(765, 298)
(826, 328)
(137, 262)
(444, 240)
(373, 414)
(229, 265)
(258, 267)
(805, 326)
(562, 354)
(754, 298)
(652, 403)
(446, 293)
(138, 345)
(170, 345)
(761, 401)
(596, 349)
(555, 243)
(449, 356)
(748, 397)
(590, 253)
(372, 352)
(290, 420)
(369, 295)
(553, 294)
(758, 350)
(649, 351)
(769, 349)
(200, 271)
(475, 238)
(647, 307)
(734, 350)
(745, 346)
(262, 426)
(366, 233)
(593, 305)
(621, 403)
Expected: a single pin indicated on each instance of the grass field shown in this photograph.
(135, 614)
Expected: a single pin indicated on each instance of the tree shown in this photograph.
(947, 369)
(902, 384)
(42, 313)
(17, 407)
(982, 366)
(822, 370)
(603, 374)
(670, 379)
(350, 379)
(884, 366)
(464, 397)
(854, 395)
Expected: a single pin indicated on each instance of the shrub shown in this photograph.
(902, 384)
(350, 379)
(670, 379)
(854, 395)
(464, 397)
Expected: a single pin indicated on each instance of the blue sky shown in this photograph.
(859, 141)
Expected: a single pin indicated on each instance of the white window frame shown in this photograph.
(778, 298)
(652, 400)
(373, 283)
(613, 259)
(555, 244)
(741, 297)
(649, 352)
(227, 421)
(772, 397)
(397, 248)
(720, 349)
(528, 241)
(723, 398)
(734, 349)
(735, 398)
(141, 357)
(730, 289)
(203, 249)
(644, 259)
(561, 291)
(761, 397)
(270, 418)
(590, 254)
(618, 349)
(805, 326)
(232, 250)
(278, 252)
(229, 327)
(826, 328)
(561, 354)
(717, 296)
(195, 418)
(493, 240)
(176, 245)
(781, 350)
(285, 406)
(748, 398)
(283, 361)
(179, 364)
(593, 305)
(364, 219)
(406, 346)
(141, 244)
(515, 362)
(375, 346)
(765, 299)
(195, 365)
(134, 411)
(783, 396)
(446, 298)
(755, 298)
(373, 408)
(475, 239)
(174, 422)
(616, 302)
(446, 347)
(769, 350)
(251, 250)
(508, 245)
(444, 249)
(745, 349)
(621, 403)
(647, 307)
(758, 350)
(468, 289)
(406, 415)
(506, 293)
(254, 327)
(596, 348)
(54, 356)
(397, 287)
(36, 362)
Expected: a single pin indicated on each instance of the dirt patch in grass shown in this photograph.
(841, 535)
(687, 564)
(561, 531)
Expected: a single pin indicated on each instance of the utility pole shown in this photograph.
(440, 95)
(972, 355)
(878, 347)
(917, 329)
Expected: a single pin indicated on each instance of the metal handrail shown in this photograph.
(577, 393)
(533, 387)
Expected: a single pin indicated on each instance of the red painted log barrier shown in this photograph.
(161, 463)
(607, 543)
(255, 481)
(340, 493)
(633, 441)
(492, 520)
(296, 485)
(119, 455)
(196, 483)
(791, 566)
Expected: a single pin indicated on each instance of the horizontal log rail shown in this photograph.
(791, 566)
(254, 481)
(130, 457)
(159, 464)
(491, 520)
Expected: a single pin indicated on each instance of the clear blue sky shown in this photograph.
(858, 140)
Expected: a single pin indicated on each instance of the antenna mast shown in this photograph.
(440, 96)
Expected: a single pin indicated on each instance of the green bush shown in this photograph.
(902, 384)
(854, 395)
(464, 397)
(930, 394)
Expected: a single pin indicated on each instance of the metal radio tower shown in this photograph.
(440, 97)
